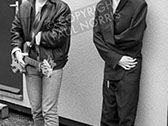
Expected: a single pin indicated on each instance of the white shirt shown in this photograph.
(38, 7)
(115, 5)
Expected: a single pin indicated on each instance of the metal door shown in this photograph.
(10, 83)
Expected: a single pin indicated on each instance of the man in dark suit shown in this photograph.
(118, 33)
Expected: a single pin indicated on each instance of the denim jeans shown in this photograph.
(43, 96)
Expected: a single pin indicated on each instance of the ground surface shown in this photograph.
(17, 119)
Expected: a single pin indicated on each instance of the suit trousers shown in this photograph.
(43, 95)
(120, 99)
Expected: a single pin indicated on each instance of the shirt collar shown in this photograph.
(121, 5)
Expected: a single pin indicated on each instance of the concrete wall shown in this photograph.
(80, 97)
(153, 98)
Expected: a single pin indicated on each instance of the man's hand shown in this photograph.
(19, 56)
(127, 62)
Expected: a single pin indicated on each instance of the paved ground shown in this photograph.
(17, 119)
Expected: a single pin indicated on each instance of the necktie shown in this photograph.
(37, 20)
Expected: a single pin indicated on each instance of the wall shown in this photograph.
(80, 97)
(153, 99)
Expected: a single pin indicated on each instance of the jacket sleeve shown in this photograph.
(110, 56)
(58, 33)
(16, 33)
(134, 34)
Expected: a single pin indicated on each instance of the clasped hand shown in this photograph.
(19, 56)
(127, 62)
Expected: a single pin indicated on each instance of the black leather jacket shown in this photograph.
(55, 37)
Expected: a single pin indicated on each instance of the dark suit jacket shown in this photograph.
(119, 34)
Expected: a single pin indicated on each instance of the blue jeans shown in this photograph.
(43, 96)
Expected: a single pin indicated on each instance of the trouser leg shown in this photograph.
(109, 108)
(50, 91)
(127, 98)
(34, 90)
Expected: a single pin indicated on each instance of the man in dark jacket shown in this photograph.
(45, 26)
(118, 33)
